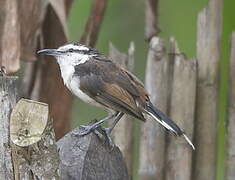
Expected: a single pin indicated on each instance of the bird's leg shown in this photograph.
(109, 129)
(88, 128)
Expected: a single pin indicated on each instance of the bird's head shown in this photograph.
(72, 54)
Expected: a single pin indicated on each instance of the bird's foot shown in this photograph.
(84, 130)
(107, 133)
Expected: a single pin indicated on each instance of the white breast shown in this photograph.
(73, 83)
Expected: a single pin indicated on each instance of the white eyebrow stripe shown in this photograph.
(72, 46)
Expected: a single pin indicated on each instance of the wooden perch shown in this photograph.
(7, 102)
(123, 132)
(152, 143)
(179, 153)
(230, 159)
(34, 151)
(208, 54)
(90, 157)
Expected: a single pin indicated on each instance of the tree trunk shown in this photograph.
(152, 143)
(34, 151)
(230, 159)
(208, 54)
(179, 153)
(123, 132)
(8, 96)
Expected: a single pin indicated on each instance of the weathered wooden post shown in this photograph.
(179, 153)
(230, 159)
(8, 96)
(34, 151)
(152, 143)
(208, 54)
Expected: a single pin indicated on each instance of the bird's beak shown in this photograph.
(51, 52)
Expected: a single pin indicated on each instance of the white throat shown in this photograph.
(67, 64)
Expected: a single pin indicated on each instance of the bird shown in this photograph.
(98, 81)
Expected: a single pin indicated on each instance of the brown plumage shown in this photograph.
(112, 86)
(98, 81)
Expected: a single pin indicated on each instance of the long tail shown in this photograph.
(166, 122)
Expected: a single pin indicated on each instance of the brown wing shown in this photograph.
(111, 86)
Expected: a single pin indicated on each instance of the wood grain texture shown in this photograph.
(31, 15)
(9, 36)
(90, 157)
(34, 151)
(8, 95)
(230, 159)
(208, 54)
(179, 153)
(123, 132)
(152, 142)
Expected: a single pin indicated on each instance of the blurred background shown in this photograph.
(124, 21)
(209, 118)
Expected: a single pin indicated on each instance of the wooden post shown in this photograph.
(179, 153)
(7, 101)
(34, 151)
(230, 159)
(208, 54)
(152, 142)
(123, 132)
(90, 157)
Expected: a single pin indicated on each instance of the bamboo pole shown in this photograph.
(123, 132)
(152, 140)
(230, 159)
(7, 101)
(179, 154)
(208, 54)
(34, 151)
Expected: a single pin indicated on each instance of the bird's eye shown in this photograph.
(70, 50)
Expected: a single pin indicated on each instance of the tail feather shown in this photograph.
(166, 122)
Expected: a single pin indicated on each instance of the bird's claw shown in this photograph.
(108, 137)
(84, 130)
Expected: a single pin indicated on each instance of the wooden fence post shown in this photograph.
(152, 140)
(230, 159)
(34, 151)
(8, 96)
(179, 153)
(123, 132)
(208, 54)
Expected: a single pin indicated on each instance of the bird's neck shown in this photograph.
(66, 70)
(67, 66)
